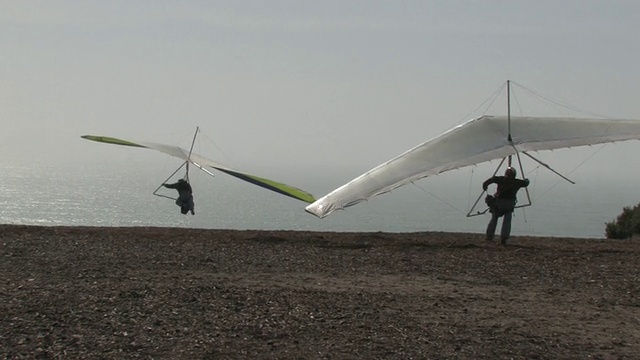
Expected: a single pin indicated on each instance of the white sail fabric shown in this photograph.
(183, 154)
(478, 140)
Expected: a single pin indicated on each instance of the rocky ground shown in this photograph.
(82, 292)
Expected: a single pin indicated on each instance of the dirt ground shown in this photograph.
(163, 293)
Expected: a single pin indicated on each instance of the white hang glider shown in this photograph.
(478, 140)
(205, 164)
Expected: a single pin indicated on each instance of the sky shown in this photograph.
(283, 87)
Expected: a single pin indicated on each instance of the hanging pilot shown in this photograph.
(185, 196)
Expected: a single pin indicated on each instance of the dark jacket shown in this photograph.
(185, 196)
(507, 187)
(182, 187)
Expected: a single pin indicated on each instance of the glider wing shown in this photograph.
(476, 141)
(183, 154)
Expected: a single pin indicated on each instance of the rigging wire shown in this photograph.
(490, 100)
(210, 140)
(515, 98)
(559, 106)
(472, 172)
(437, 197)
(572, 170)
(533, 190)
(558, 103)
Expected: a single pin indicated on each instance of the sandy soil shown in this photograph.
(80, 292)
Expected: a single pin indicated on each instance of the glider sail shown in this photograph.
(478, 140)
(202, 162)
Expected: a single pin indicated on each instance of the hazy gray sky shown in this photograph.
(290, 84)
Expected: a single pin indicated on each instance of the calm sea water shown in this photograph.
(121, 195)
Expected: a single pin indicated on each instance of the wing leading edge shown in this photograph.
(476, 141)
(183, 154)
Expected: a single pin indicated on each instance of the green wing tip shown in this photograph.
(111, 140)
(309, 198)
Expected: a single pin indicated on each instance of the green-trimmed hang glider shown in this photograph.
(202, 162)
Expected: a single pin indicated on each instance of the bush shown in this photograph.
(627, 224)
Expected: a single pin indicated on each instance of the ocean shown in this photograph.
(118, 194)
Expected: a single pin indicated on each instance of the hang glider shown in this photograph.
(203, 163)
(478, 140)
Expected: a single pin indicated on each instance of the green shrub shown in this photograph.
(627, 224)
